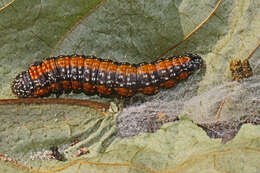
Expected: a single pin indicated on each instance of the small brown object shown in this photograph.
(161, 116)
(56, 154)
(77, 140)
(82, 151)
(240, 69)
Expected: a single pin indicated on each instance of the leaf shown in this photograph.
(177, 147)
(132, 31)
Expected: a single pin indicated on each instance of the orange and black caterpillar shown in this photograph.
(91, 75)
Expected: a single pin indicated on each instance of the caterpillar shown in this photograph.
(92, 75)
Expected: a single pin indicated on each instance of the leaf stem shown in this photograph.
(93, 104)
(252, 52)
(192, 32)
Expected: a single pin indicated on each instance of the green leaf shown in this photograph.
(177, 147)
(131, 31)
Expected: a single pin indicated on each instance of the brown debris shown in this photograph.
(75, 141)
(82, 151)
(240, 69)
(56, 154)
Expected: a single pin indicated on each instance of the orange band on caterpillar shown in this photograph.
(91, 75)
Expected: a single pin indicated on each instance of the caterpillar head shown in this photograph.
(22, 85)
